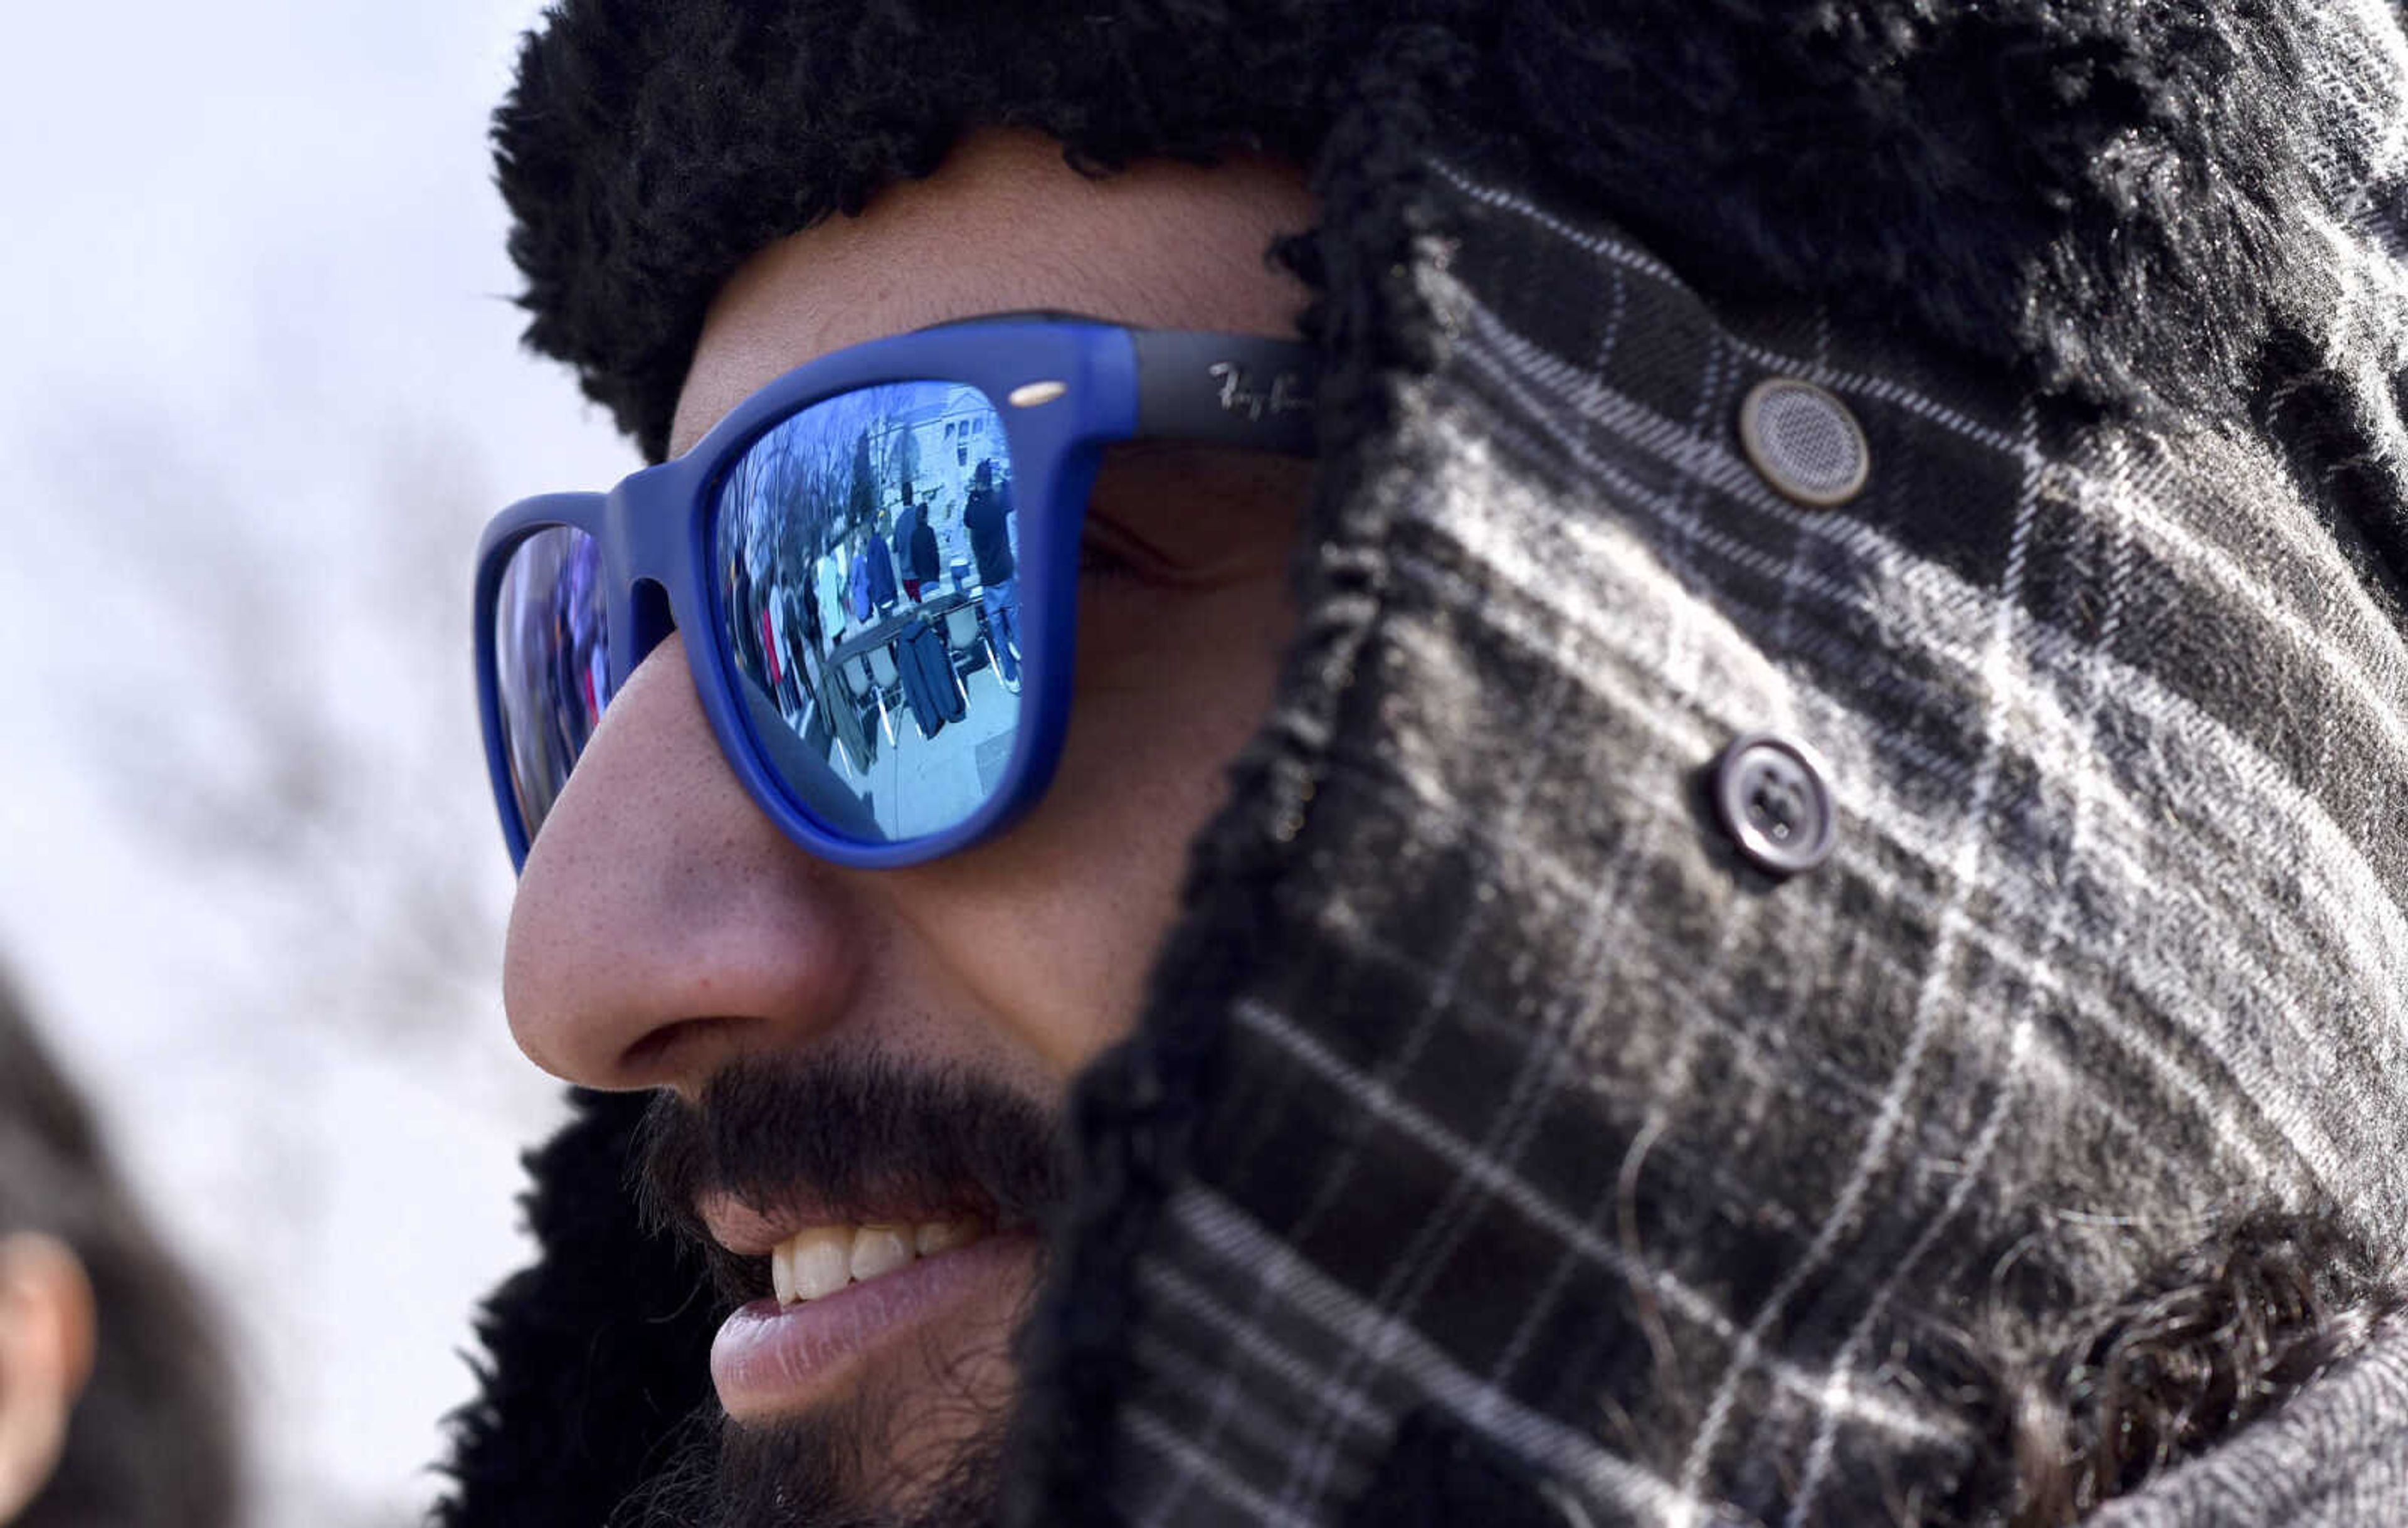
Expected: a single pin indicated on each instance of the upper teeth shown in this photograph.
(825, 1259)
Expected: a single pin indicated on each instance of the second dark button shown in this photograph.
(1769, 797)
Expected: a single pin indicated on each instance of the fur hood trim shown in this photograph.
(2141, 204)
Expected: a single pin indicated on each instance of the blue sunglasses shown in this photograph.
(875, 562)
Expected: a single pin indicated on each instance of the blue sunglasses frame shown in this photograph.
(1063, 386)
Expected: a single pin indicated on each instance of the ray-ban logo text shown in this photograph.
(1287, 392)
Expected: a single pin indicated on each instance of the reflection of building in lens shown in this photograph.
(929, 436)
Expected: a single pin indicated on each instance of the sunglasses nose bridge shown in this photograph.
(646, 621)
(644, 520)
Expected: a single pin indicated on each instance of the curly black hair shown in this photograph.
(151, 1443)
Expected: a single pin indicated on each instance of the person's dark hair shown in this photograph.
(151, 1443)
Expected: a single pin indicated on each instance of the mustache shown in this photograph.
(847, 1137)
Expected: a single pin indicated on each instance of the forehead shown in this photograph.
(1005, 225)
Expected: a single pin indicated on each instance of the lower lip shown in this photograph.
(770, 1359)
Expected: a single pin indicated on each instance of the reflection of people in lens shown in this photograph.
(882, 589)
(986, 516)
(915, 551)
(829, 577)
(799, 641)
(745, 640)
(772, 621)
(856, 583)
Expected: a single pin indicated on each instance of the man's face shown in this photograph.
(870, 1062)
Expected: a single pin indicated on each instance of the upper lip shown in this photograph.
(750, 1231)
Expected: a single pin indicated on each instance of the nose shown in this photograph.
(663, 925)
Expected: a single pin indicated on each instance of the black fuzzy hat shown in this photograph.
(2098, 192)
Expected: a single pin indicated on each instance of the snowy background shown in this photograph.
(259, 386)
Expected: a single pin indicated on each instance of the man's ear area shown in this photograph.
(48, 1330)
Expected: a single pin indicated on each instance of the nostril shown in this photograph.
(657, 1057)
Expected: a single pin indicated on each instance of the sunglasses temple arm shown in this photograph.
(1228, 389)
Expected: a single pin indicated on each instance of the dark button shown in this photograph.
(1769, 794)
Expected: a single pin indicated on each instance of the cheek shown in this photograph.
(1056, 925)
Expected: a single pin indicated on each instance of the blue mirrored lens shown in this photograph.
(870, 603)
(551, 663)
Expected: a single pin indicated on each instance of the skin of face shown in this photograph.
(663, 928)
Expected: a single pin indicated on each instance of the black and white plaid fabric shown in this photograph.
(1529, 1106)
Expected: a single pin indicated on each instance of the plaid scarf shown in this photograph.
(1505, 1144)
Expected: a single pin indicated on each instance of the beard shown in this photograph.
(809, 1472)
(846, 1135)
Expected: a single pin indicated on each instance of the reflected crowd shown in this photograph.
(869, 559)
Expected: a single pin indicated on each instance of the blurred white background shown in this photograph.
(259, 386)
